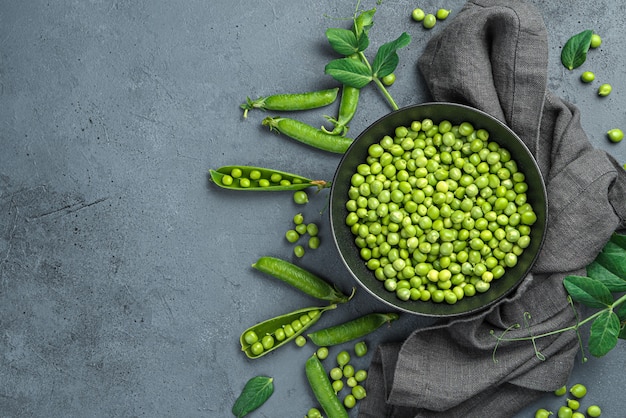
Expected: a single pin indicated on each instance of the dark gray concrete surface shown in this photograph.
(125, 276)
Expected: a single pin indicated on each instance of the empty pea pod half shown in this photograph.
(301, 279)
(272, 333)
(351, 330)
(242, 177)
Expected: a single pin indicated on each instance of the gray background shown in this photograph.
(125, 276)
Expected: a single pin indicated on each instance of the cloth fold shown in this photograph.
(494, 56)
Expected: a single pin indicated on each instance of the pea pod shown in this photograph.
(292, 101)
(308, 135)
(323, 389)
(301, 279)
(351, 330)
(347, 109)
(261, 179)
(272, 328)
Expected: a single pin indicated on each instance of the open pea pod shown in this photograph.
(243, 177)
(272, 333)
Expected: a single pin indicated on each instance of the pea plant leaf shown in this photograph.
(363, 22)
(613, 258)
(386, 59)
(349, 71)
(619, 239)
(604, 333)
(588, 291)
(598, 272)
(574, 52)
(343, 41)
(254, 394)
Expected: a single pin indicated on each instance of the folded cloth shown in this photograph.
(494, 56)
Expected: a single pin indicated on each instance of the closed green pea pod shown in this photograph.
(292, 101)
(322, 389)
(301, 279)
(264, 179)
(347, 109)
(351, 330)
(268, 328)
(308, 135)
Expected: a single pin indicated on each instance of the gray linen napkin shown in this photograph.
(494, 56)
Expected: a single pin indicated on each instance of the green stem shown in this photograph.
(380, 85)
(574, 327)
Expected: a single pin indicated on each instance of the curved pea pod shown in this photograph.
(269, 180)
(292, 101)
(270, 326)
(351, 330)
(301, 279)
(347, 110)
(308, 134)
(323, 389)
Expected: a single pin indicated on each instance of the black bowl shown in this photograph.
(455, 113)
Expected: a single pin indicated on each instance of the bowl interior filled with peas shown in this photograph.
(438, 209)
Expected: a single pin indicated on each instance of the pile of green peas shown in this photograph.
(438, 211)
(259, 344)
(572, 407)
(345, 377)
(300, 229)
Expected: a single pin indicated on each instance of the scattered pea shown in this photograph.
(298, 219)
(322, 353)
(314, 413)
(300, 197)
(343, 358)
(360, 349)
(300, 341)
(596, 41)
(349, 401)
(615, 135)
(542, 413)
(389, 79)
(292, 235)
(573, 404)
(312, 229)
(314, 243)
(429, 21)
(442, 14)
(298, 251)
(360, 375)
(358, 392)
(578, 414)
(336, 373)
(594, 411)
(587, 77)
(337, 385)
(561, 391)
(604, 90)
(418, 14)
(578, 390)
(300, 229)
(564, 412)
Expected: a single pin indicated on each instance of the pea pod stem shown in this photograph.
(351, 330)
(308, 134)
(291, 101)
(322, 389)
(301, 279)
(347, 110)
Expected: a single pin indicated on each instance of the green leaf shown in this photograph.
(619, 240)
(621, 312)
(348, 71)
(604, 333)
(622, 334)
(254, 394)
(574, 52)
(613, 258)
(598, 272)
(343, 41)
(386, 59)
(588, 291)
(363, 22)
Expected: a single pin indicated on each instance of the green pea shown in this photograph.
(442, 14)
(251, 337)
(578, 390)
(594, 411)
(300, 197)
(349, 401)
(313, 413)
(604, 90)
(300, 341)
(389, 79)
(587, 77)
(542, 413)
(564, 412)
(343, 358)
(257, 348)
(615, 135)
(292, 236)
(314, 243)
(336, 373)
(322, 353)
(360, 349)
(429, 22)
(348, 371)
(337, 385)
(418, 15)
(360, 375)
(358, 392)
(596, 41)
(298, 251)
(577, 414)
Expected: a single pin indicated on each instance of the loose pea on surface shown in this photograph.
(604, 90)
(300, 197)
(587, 77)
(313, 413)
(542, 413)
(298, 251)
(442, 14)
(429, 21)
(615, 135)
(360, 349)
(594, 411)
(578, 390)
(596, 41)
(418, 14)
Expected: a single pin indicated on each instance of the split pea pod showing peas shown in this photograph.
(356, 328)
(323, 389)
(292, 101)
(308, 134)
(242, 177)
(272, 333)
(301, 279)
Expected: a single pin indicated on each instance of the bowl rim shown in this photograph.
(420, 307)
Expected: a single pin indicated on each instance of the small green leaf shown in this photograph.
(574, 51)
(256, 391)
(619, 239)
(604, 333)
(348, 71)
(363, 22)
(598, 272)
(588, 291)
(343, 41)
(613, 258)
(386, 59)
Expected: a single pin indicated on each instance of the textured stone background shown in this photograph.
(125, 276)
